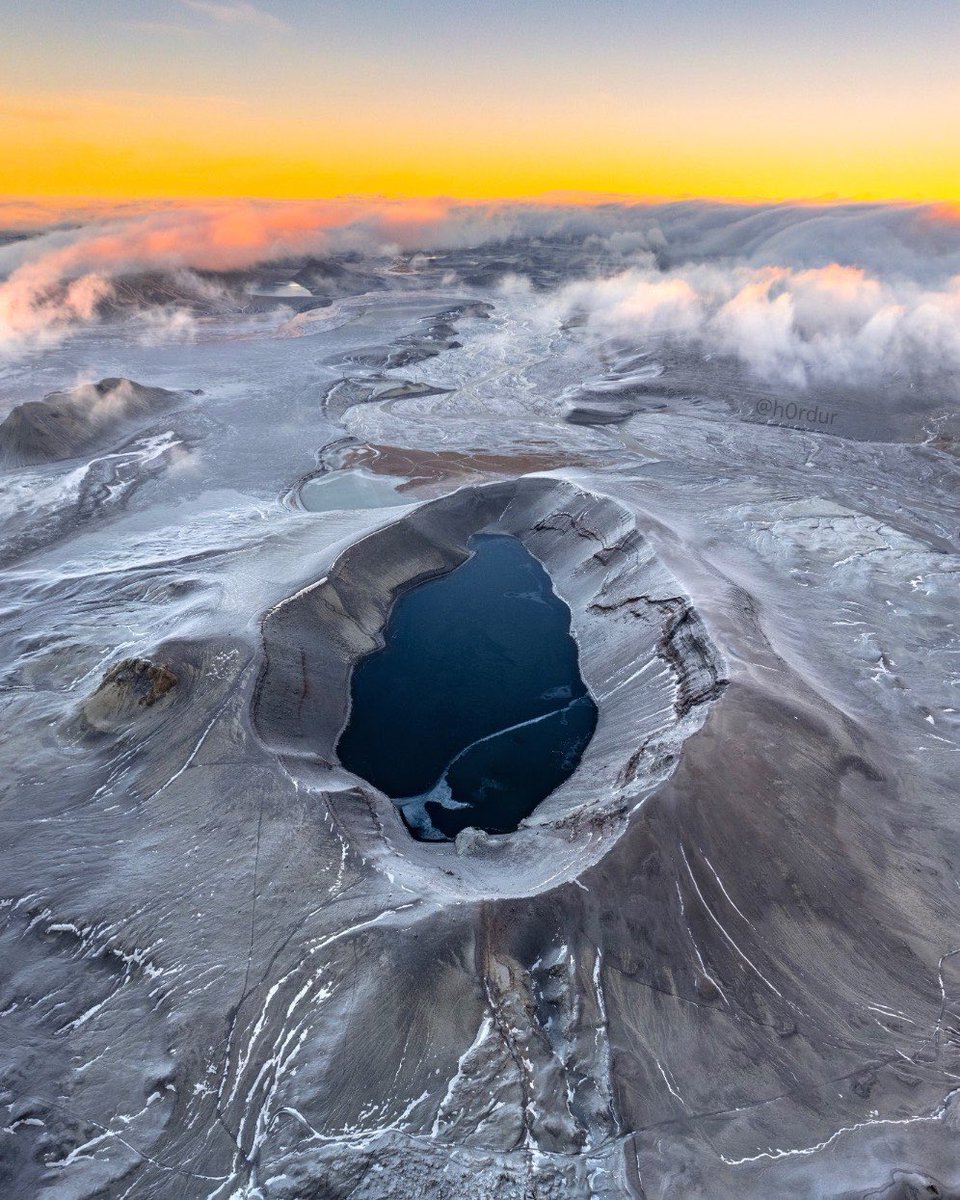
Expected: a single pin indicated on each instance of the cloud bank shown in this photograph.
(800, 294)
(827, 326)
(55, 280)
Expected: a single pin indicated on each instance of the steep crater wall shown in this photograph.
(645, 656)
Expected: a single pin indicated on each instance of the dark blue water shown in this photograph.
(474, 710)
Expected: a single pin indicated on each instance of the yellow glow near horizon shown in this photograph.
(131, 145)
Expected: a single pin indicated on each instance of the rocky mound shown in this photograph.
(65, 424)
(127, 688)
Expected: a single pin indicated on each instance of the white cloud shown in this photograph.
(833, 325)
(235, 12)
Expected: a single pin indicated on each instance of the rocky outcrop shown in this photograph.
(127, 688)
(686, 646)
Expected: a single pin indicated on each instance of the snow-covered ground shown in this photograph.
(222, 978)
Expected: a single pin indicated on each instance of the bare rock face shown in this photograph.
(686, 647)
(127, 688)
(65, 424)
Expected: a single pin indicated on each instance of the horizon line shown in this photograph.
(572, 196)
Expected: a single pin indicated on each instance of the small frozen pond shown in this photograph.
(341, 490)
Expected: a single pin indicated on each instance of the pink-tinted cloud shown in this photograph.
(58, 279)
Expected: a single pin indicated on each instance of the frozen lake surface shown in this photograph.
(474, 710)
